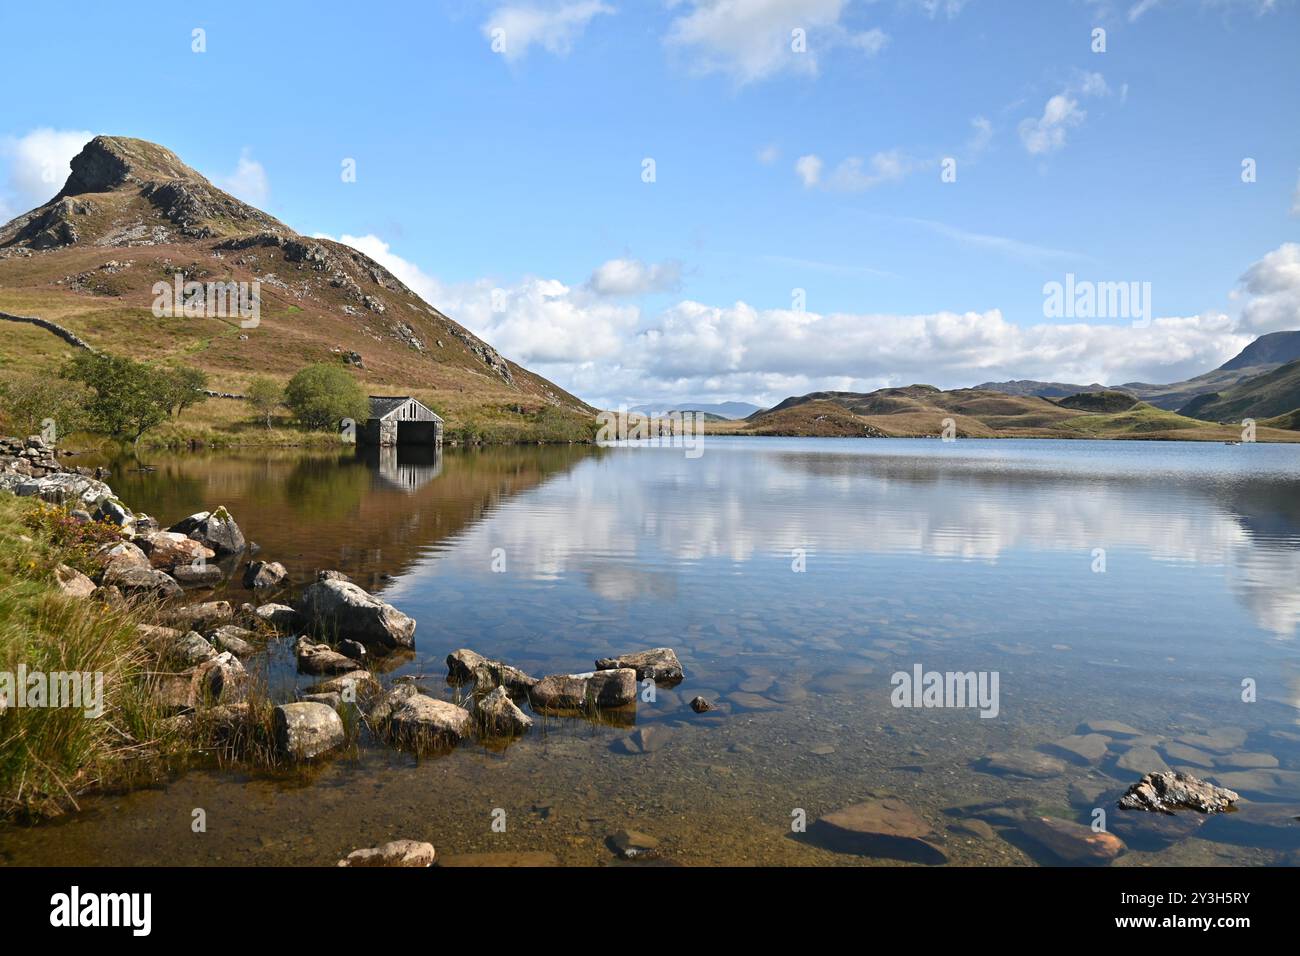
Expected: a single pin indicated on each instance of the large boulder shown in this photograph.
(341, 610)
(121, 555)
(215, 529)
(659, 664)
(306, 730)
(611, 688)
(222, 679)
(65, 488)
(396, 853)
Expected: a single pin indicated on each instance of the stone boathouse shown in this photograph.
(401, 420)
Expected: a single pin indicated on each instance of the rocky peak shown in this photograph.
(107, 162)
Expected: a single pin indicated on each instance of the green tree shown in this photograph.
(184, 386)
(320, 396)
(127, 398)
(265, 395)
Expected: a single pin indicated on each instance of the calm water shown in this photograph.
(969, 556)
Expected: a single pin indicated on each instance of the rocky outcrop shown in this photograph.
(340, 609)
(659, 664)
(1168, 792)
(306, 730)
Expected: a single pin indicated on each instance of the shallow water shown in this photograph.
(965, 556)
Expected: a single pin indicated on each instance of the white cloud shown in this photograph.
(949, 8)
(38, 166)
(610, 352)
(555, 27)
(981, 136)
(634, 277)
(750, 40)
(1258, 7)
(1272, 289)
(768, 155)
(248, 181)
(809, 169)
(1047, 133)
(855, 175)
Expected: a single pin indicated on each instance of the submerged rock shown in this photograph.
(527, 858)
(700, 705)
(886, 827)
(644, 740)
(1109, 728)
(1167, 792)
(608, 688)
(1024, 763)
(1141, 760)
(411, 853)
(659, 664)
(307, 730)
(634, 845)
(340, 609)
(1082, 748)
(1072, 842)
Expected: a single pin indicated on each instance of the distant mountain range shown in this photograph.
(727, 410)
(1265, 354)
(1262, 383)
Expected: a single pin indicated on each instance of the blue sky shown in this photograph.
(520, 169)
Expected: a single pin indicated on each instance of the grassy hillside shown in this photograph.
(1272, 394)
(132, 214)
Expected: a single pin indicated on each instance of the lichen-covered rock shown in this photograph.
(609, 688)
(410, 853)
(132, 580)
(205, 617)
(215, 529)
(659, 664)
(222, 679)
(342, 610)
(1169, 792)
(169, 549)
(305, 730)
(237, 640)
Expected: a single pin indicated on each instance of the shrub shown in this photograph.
(321, 395)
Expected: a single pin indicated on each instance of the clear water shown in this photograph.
(965, 556)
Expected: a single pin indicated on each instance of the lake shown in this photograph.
(1152, 584)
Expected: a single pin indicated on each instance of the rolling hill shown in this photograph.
(1269, 395)
(132, 214)
(923, 411)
